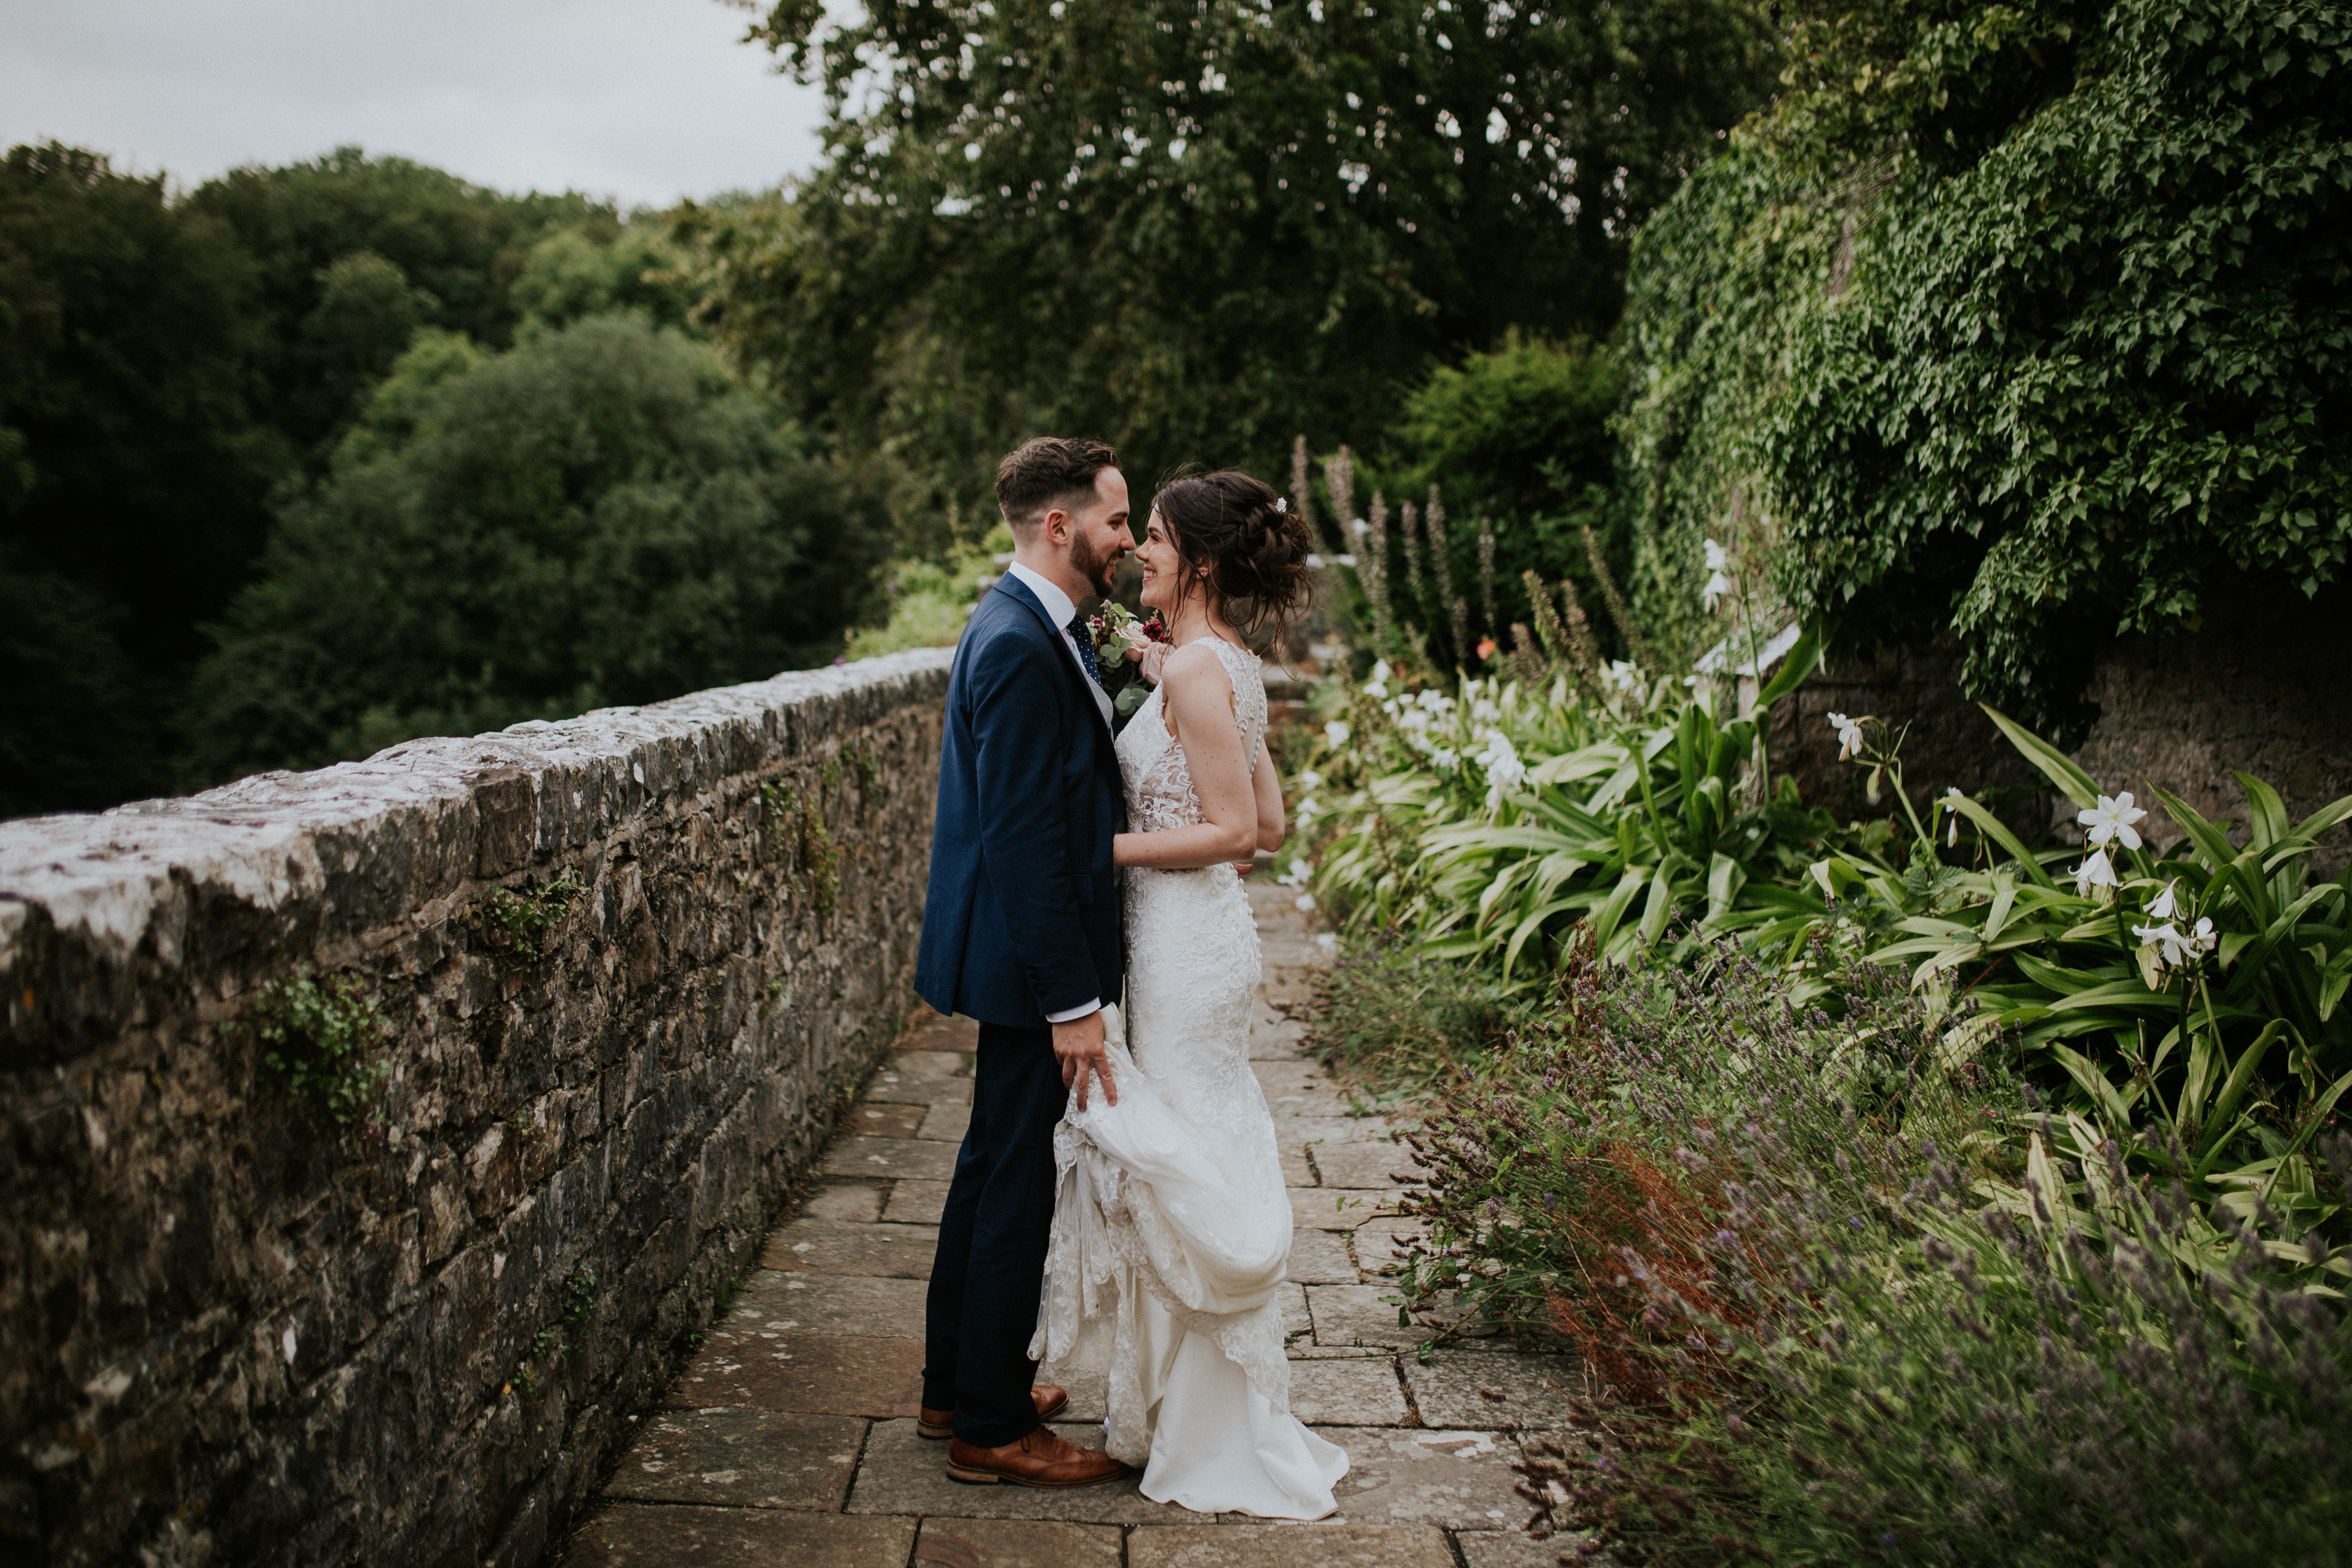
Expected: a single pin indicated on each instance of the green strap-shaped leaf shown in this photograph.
(2056, 765)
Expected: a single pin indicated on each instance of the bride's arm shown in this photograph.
(1267, 785)
(1198, 698)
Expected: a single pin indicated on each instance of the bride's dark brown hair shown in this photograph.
(1253, 543)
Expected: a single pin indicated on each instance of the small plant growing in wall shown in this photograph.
(554, 1341)
(516, 926)
(322, 1036)
(797, 821)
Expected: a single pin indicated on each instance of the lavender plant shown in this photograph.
(1869, 1330)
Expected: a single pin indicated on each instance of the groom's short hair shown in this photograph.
(1045, 471)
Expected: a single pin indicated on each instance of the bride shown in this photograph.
(1171, 1226)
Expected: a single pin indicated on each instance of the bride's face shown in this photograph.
(1161, 569)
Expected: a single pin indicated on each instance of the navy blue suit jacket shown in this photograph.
(1022, 915)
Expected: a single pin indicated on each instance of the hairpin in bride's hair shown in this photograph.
(1282, 503)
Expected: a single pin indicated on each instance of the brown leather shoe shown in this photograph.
(940, 1423)
(1040, 1459)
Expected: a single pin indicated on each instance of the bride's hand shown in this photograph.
(1154, 658)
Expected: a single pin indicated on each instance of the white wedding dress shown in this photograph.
(1171, 1228)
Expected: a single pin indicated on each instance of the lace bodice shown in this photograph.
(1159, 790)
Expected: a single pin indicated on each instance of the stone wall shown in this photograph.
(2257, 694)
(2250, 693)
(231, 1333)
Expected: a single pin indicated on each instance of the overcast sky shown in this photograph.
(641, 100)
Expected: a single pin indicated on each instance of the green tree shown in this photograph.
(1198, 229)
(129, 482)
(591, 268)
(601, 515)
(353, 253)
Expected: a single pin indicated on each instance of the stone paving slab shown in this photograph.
(886, 1120)
(916, 1202)
(1343, 1545)
(1017, 1543)
(851, 1202)
(1485, 1388)
(1320, 1258)
(902, 1473)
(829, 1246)
(741, 1458)
(1367, 1165)
(1347, 1392)
(828, 1304)
(1512, 1549)
(1381, 1244)
(1341, 1209)
(916, 1159)
(1358, 1315)
(636, 1535)
(1297, 1172)
(835, 1375)
(1459, 1480)
(1340, 1127)
(923, 1077)
(1294, 1076)
(946, 1122)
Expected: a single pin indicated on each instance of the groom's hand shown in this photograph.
(1078, 1045)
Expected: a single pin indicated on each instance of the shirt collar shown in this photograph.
(1057, 606)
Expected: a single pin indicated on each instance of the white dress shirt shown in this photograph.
(1059, 609)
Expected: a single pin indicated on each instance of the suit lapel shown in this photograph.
(1013, 588)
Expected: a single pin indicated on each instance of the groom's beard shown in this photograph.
(1095, 568)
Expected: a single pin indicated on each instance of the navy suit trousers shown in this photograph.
(991, 1262)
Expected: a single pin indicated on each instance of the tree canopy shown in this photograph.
(601, 515)
(1198, 230)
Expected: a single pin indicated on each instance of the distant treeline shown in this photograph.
(313, 459)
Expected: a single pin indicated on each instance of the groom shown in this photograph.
(1021, 931)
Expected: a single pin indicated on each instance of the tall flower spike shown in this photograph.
(2112, 819)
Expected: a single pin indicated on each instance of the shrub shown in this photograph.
(1393, 1012)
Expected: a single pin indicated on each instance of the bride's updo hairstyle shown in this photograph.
(1252, 543)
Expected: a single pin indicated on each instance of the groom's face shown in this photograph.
(1100, 538)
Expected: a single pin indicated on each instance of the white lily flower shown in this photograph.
(1849, 734)
(1445, 757)
(1715, 558)
(1378, 685)
(1717, 586)
(1327, 941)
(1336, 733)
(1433, 700)
(1484, 713)
(1624, 675)
(1952, 834)
(2203, 936)
(1310, 779)
(2175, 947)
(1412, 719)
(1504, 769)
(2094, 872)
(2112, 818)
(1303, 904)
(2167, 903)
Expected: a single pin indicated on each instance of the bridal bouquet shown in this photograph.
(1119, 640)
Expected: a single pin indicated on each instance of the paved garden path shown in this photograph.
(789, 1439)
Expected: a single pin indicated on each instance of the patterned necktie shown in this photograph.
(1084, 639)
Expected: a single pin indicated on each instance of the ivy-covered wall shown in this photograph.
(375, 1138)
